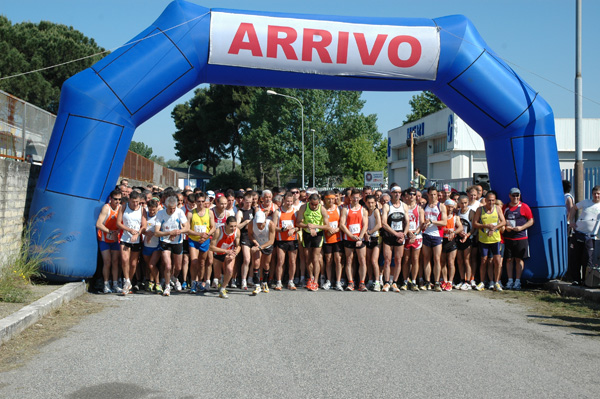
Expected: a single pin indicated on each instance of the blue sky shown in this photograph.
(536, 37)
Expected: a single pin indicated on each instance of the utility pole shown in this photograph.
(579, 183)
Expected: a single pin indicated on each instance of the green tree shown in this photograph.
(422, 105)
(141, 149)
(233, 179)
(272, 144)
(209, 125)
(28, 46)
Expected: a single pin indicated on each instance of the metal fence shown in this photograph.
(136, 167)
(24, 129)
(591, 178)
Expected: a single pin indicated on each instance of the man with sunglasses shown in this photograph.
(202, 226)
(516, 246)
(108, 240)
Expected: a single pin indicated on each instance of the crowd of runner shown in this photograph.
(355, 239)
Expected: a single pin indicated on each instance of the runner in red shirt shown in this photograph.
(516, 244)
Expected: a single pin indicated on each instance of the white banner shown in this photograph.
(374, 179)
(324, 47)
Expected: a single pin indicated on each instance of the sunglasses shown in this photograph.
(515, 195)
(415, 194)
(117, 199)
(295, 192)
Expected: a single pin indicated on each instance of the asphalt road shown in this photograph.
(311, 345)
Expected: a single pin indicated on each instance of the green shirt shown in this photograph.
(313, 217)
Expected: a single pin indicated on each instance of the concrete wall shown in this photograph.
(17, 183)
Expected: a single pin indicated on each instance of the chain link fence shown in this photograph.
(24, 129)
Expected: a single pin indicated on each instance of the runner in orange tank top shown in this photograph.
(332, 249)
(108, 240)
(354, 224)
(286, 239)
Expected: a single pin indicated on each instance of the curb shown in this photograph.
(566, 289)
(30, 314)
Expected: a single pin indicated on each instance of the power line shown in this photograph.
(105, 51)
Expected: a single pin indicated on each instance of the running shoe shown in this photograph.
(449, 286)
(310, 285)
(339, 286)
(404, 286)
(376, 286)
(194, 288)
(296, 281)
(517, 285)
(167, 291)
(473, 284)
(278, 286)
(413, 286)
(509, 284)
(233, 283)
(422, 286)
(291, 286)
(177, 285)
(370, 284)
(244, 285)
(265, 288)
(395, 288)
(480, 287)
(250, 282)
(150, 286)
(223, 293)
(429, 286)
(257, 289)
(322, 280)
(184, 285)
(386, 287)
(350, 286)
(437, 287)
(302, 283)
(107, 289)
(202, 286)
(498, 287)
(135, 288)
(327, 285)
(159, 289)
(362, 287)
(215, 284)
(491, 285)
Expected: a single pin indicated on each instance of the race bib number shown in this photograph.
(111, 235)
(285, 224)
(412, 226)
(512, 223)
(354, 229)
(200, 228)
(397, 226)
(333, 225)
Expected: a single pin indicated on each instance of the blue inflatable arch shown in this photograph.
(101, 107)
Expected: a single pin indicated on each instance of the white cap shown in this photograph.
(260, 217)
(450, 202)
(210, 194)
(396, 188)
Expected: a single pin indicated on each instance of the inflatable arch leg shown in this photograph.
(188, 45)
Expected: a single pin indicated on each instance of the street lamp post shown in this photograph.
(313, 134)
(190, 165)
(274, 93)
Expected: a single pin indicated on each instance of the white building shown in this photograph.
(449, 150)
